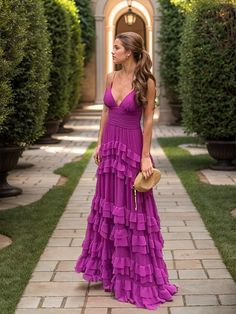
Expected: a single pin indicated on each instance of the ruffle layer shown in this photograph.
(150, 297)
(103, 209)
(116, 148)
(117, 158)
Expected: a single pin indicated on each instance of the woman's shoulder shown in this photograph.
(109, 78)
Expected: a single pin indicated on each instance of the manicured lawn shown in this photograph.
(30, 228)
(214, 202)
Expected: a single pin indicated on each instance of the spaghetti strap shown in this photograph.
(113, 78)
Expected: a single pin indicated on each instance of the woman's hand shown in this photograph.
(96, 156)
(146, 167)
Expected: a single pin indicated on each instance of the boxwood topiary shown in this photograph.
(26, 62)
(76, 54)
(172, 19)
(207, 70)
(13, 40)
(87, 23)
(60, 41)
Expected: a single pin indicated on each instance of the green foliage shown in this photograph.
(185, 5)
(12, 42)
(171, 27)
(87, 27)
(25, 64)
(76, 54)
(60, 42)
(207, 71)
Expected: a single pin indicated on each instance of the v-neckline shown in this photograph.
(122, 99)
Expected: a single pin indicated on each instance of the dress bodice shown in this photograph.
(127, 114)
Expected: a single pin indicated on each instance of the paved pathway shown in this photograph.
(193, 261)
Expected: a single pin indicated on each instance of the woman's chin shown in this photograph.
(116, 62)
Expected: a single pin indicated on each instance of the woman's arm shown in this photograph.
(105, 111)
(103, 120)
(146, 162)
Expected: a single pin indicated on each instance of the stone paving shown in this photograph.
(193, 261)
(37, 180)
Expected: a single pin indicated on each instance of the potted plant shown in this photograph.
(207, 78)
(25, 65)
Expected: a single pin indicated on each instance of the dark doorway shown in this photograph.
(138, 27)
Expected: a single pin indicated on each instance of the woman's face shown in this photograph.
(119, 54)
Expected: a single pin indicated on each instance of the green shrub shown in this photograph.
(25, 49)
(60, 42)
(76, 54)
(13, 39)
(87, 23)
(207, 70)
(172, 19)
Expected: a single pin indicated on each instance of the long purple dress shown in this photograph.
(123, 245)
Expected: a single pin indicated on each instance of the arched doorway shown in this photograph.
(108, 16)
(138, 27)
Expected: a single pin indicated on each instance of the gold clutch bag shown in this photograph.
(143, 185)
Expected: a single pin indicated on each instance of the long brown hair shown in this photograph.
(134, 43)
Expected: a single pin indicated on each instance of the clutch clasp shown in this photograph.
(135, 198)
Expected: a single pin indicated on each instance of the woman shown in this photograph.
(123, 244)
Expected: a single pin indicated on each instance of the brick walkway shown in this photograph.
(193, 261)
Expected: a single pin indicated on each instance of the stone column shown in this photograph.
(100, 59)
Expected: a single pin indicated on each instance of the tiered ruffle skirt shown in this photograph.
(123, 246)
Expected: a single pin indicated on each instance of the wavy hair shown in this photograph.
(134, 42)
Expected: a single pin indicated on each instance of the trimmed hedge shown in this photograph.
(173, 14)
(13, 39)
(87, 22)
(172, 19)
(26, 62)
(207, 70)
(76, 54)
(60, 42)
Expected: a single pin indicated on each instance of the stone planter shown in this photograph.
(224, 152)
(8, 160)
(62, 123)
(52, 127)
(177, 112)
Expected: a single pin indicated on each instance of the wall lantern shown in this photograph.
(130, 16)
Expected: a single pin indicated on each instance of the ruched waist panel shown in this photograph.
(124, 120)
